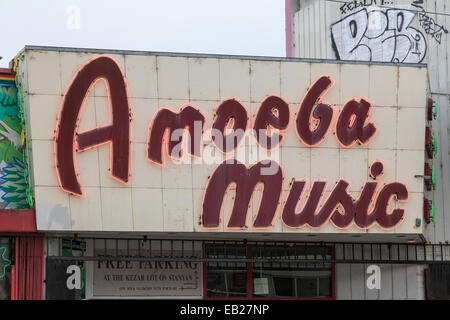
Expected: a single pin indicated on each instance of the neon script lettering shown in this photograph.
(313, 123)
(340, 207)
(117, 133)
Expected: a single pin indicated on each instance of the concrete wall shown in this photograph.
(316, 23)
(398, 282)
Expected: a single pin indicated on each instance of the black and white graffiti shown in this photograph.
(431, 27)
(355, 4)
(379, 34)
(428, 24)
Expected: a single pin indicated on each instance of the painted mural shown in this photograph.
(13, 185)
(384, 32)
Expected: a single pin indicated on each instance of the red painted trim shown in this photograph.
(28, 284)
(17, 220)
(21, 234)
(13, 281)
(18, 269)
(40, 282)
(7, 71)
(28, 270)
(288, 20)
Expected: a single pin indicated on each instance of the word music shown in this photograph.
(312, 124)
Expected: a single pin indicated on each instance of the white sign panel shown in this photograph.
(147, 278)
(318, 148)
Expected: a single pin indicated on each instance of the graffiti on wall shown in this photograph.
(383, 35)
(428, 24)
(356, 4)
(375, 31)
(12, 170)
(431, 27)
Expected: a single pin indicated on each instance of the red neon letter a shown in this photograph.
(118, 132)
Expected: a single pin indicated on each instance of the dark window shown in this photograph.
(226, 279)
(283, 279)
(284, 287)
(437, 279)
(325, 286)
(307, 287)
(274, 278)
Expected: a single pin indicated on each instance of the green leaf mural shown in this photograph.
(4, 262)
(8, 102)
(13, 184)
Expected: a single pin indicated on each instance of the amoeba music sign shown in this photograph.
(153, 143)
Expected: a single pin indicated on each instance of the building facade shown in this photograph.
(401, 32)
(323, 175)
(208, 176)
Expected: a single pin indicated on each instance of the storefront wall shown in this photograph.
(169, 200)
(178, 275)
(184, 278)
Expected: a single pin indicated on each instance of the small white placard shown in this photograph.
(261, 286)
